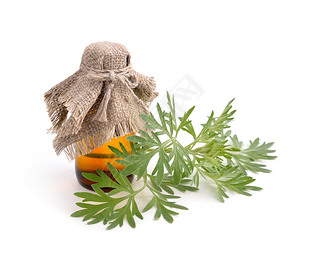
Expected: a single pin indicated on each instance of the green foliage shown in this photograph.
(103, 207)
(215, 155)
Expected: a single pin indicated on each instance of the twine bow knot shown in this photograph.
(110, 77)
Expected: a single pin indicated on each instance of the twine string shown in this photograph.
(110, 77)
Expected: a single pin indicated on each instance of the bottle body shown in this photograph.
(98, 159)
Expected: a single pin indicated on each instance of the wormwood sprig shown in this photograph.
(214, 154)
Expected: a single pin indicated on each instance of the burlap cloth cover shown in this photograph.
(102, 100)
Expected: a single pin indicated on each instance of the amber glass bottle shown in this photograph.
(98, 159)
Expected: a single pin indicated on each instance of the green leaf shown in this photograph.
(213, 155)
(184, 120)
(135, 209)
(118, 152)
(135, 138)
(149, 205)
(90, 197)
(79, 213)
(91, 176)
(152, 122)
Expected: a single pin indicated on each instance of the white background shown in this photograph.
(266, 54)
